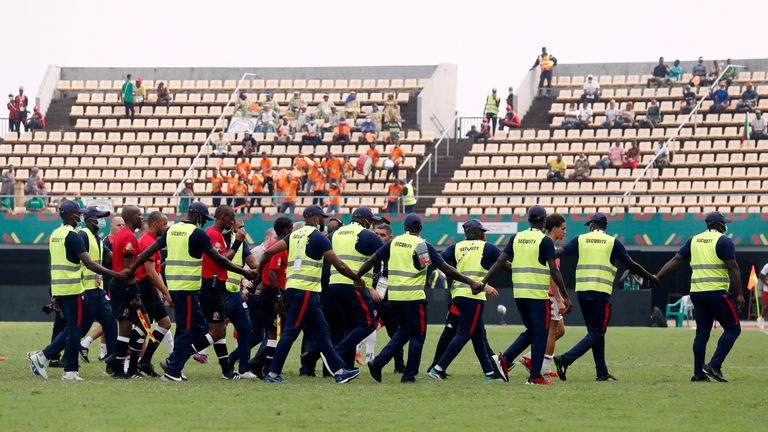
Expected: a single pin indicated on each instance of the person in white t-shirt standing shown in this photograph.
(591, 91)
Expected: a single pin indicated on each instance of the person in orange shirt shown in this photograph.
(265, 164)
(334, 191)
(372, 153)
(217, 183)
(241, 192)
(397, 156)
(257, 187)
(318, 188)
(342, 132)
(243, 167)
(393, 194)
(332, 167)
(232, 180)
(281, 187)
(299, 171)
(291, 189)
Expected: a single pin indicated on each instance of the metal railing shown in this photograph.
(464, 124)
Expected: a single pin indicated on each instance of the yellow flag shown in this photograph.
(752, 279)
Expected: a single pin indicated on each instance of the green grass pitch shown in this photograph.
(653, 393)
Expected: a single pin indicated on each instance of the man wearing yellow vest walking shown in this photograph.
(355, 244)
(715, 278)
(532, 254)
(472, 257)
(186, 243)
(68, 256)
(546, 62)
(409, 198)
(597, 253)
(408, 258)
(307, 248)
(491, 110)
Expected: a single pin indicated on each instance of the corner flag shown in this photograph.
(752, 279)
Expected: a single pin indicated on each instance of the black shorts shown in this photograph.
(213, 301)
(151, 300)
(123, 296)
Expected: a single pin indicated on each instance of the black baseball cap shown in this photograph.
(412, 221)
(716, 217)
(201, 209)
(537, 213)
(367, 213)
(315, 210)
(474, 224)
(597, 217)
(93, 212)
(68, 207)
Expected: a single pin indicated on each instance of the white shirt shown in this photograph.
(760, 285)
(662, 151)
(611, 113)
(574, 114)
(591, 88)
(585, 114)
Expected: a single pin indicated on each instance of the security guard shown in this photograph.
(409, 198)
(491, 111)
(68, 256)
(355, 244)
(186, 243)
(307, 248)
(473, 257)
(714, 272)
(597, 254)
(533, 264)
(408, 258)
(546, 62)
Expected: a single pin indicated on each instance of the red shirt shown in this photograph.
(278, 263)
(210, 268)
(125, 244)
(145, 242)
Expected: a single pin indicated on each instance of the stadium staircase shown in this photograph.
(538, 116)
(447, 165)
(57, 117)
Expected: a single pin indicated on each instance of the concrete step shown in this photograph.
(57, 116)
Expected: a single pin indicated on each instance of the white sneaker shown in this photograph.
(38, 366)
(71, 376)
(246, 376)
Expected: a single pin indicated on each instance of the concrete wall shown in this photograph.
(45, 92)
(525, 93)
(438, 98)
(641, 68)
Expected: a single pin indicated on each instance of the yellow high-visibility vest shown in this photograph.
(309, 272)
(233, 279)
(594, 271)
(183, 272)
(530, 278)
(406, 282)
(410, 196)
(469, 255)
(344, 241)
(708, 271)
(492, 104)
(66, 277)
(545, 62)
(91, 279)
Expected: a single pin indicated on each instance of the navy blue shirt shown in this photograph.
(434, 255)
(618, 253)
(199, 242)
(317, 245)
(74, 246)
(490, 255)
(546, 249)
(724, 248)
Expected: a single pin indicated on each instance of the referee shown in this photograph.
(714, 271)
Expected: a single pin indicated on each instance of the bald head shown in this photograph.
(157, 223)
(224, 211)
(132, 217)
(224, 217)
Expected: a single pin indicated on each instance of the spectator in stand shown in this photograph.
(187, 195)
(284, 132)
(367, 131)
(22, 102)
(295, 104)
(241, 194)
(674, 75)
(323, 110)
(267, 120)
(652, 116)
(232, 180)
(729, 75)
(397, 156)
(271, 103)
(660, 73)
(611, 114)
(748, 100)
(377, 117)
(35, 184)
(590, 91)
(372, 153)
(689, 100)
(265, 166)
(352, 106)
(332, 167)
(632, 156)
(37, 122)
(557, 169)
(220, 144)
(291, 189)
(626, 116)
(485, 131)
(616, 154)
(571, 119)
(301, 119)
(699, 72)
(758, 127)
(580, 168)
(473, 135)
(334, 193)
(585, 116)
(311, 133)
(333, 119)
(720, 99)
(604, 162)
(7, 191)
(662, 158)
(342, 132)
(714, 73)
(243, 167)
(491, 110)
(163, 95)
(139, 93)
(126, 93)
(547, 63)
(316, 184)
(217, 186)
(257, 187)
(511, 120)
(14, 124)
(242, 105)
(510, 99)
(249, 145)
(394, 190)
